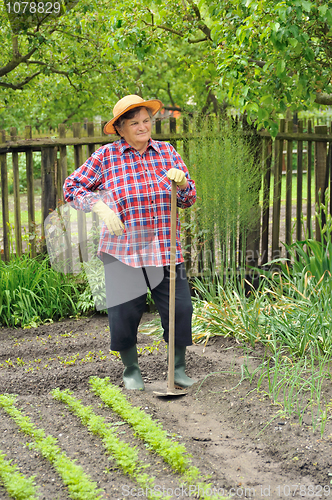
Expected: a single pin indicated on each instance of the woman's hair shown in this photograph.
(128, 116)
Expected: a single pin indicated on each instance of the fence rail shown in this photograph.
(293, 150)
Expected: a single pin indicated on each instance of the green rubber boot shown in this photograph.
(180, 377)
(132, 374)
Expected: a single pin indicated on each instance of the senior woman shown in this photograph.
(136, 172)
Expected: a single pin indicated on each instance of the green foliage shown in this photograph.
(292, 312)
(311, 256)
(272, 55)
(152, 433)
(125, 456)
(17, 485)
(95, 293)
(80, 487)
(263, 57)
(146, 428)
(32, 292)
(291, 308)
(296, 386)
(81, 63)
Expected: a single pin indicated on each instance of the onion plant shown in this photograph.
(290, 314)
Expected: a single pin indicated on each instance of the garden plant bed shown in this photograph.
(228, 428)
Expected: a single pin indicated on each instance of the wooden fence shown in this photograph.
(309, 150)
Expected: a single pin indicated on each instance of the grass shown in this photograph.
(31, 292)
(290, 315)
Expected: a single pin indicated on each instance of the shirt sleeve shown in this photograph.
(81, 187)
(185, 197)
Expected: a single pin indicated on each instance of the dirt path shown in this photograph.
(227, 427)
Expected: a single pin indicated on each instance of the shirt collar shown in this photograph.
(123, 145)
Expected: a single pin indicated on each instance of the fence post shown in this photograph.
(309, 167)
(62, 175)
(158, 125)
(266, 161)
(299, 186)
(91, 132)
(253, 238)
(102, 125)
(81, 217)
(289, 175)
(62, 169)
(321, 173)
(187, 213)
(17, 200)
(91, 149)
(329, 166)
(279, 146)
(30, 193)
(172, 129)
(253, 234)
(48, 186)
(4, 197)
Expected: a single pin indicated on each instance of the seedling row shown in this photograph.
(123, 455)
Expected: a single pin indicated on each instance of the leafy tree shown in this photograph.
(262, 56)
(78, 65)
(273, 55)
(268, 55)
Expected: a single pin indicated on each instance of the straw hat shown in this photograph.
(129, 102)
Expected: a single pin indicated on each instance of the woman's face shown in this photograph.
(137, 130)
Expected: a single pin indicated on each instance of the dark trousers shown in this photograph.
(124, 318)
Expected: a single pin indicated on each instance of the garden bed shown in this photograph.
(232, 431)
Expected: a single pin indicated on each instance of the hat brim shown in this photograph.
(154, 104)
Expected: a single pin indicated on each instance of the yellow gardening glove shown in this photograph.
(177, 175)
(110, 218)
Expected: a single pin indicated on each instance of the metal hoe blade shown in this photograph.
(171, 389)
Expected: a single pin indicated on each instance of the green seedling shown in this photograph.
(17, 485)
(116, 354)
(152, 433)
(149, 348)
(125, 456)
(80, 486)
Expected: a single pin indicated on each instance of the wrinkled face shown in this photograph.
(137, 130)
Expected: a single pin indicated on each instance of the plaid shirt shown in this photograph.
(136, 187)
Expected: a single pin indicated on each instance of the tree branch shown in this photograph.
(202, 26)
(166, 28)
(322, 98)
(19, 86)
(15, 62)
(199, 40)
(261, 64)
(74, 112)
(170, 94)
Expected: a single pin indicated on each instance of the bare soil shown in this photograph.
(228, 427)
